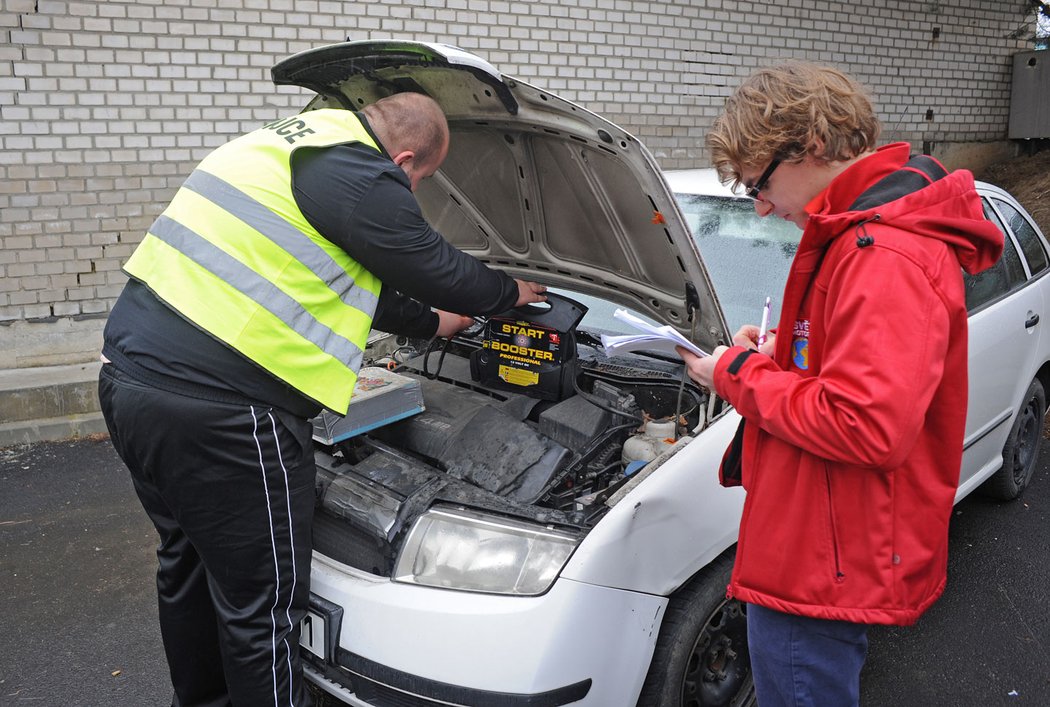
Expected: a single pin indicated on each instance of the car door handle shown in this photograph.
(1032, 320)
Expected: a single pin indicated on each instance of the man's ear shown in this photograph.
(816, 148)
(404, 156)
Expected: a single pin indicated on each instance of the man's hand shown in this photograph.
(449, 323)
(747, 336)
(702, 368)
(529, 292)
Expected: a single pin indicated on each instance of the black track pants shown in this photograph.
(230, 489)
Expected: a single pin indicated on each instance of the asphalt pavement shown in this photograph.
(80, 622)
(77, 581)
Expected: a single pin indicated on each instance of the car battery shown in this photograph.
(531, 350)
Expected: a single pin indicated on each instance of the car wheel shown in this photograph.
(1021, 449)
(701, 657)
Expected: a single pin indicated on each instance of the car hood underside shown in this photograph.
(533, 185)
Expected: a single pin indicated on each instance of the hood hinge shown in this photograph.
(692, 300)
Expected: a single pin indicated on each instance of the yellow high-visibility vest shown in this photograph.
(234, 254)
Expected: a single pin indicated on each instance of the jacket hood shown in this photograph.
(914, 194)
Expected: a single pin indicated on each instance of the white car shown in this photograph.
(549, 529)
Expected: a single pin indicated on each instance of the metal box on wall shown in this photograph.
(1030, 96)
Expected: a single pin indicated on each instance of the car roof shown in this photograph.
(696, 181)
(705, 182)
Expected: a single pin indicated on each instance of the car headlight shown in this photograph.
(472, 551)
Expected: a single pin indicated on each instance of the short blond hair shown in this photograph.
(789, 111)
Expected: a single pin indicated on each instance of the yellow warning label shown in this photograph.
(513, 349)
(517, 376)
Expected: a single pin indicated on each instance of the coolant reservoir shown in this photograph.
(644, 446)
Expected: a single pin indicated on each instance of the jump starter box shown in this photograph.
(531, 350)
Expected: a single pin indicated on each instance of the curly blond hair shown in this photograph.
(789, 111)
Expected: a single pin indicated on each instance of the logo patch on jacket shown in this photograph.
(800, 344)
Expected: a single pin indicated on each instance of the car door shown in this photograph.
(1006, 320)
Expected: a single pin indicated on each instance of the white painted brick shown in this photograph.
(21, 270)
(106, 106)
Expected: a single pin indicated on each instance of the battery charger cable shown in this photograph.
(431, 346)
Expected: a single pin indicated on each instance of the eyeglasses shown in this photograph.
(753, 190)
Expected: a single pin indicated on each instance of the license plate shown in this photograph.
(313, 634)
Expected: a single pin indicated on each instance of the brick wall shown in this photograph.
(106, 106)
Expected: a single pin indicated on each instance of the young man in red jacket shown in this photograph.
(856, 409)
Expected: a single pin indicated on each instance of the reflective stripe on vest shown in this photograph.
(234, 254)
(283, 234)
(256, 288)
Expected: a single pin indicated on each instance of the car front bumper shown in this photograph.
(401, 644)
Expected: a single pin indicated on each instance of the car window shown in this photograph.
(991, 284)
(747, 256)
(1031, 245)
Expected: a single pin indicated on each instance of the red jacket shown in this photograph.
(855, 427)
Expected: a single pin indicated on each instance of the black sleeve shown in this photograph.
(398, 314)
(360, 200)
(400, 247)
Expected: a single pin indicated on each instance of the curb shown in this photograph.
(53, 429)
(49, 403)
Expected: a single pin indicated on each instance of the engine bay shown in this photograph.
(523, 414)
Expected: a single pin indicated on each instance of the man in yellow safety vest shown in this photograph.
(247, 311)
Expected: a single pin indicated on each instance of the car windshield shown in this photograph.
(747, 256)
(600, 318)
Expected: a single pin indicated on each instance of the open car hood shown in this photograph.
(533, 185)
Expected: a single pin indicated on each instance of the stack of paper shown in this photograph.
(652, 338)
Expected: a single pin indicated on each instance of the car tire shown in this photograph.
(701, 657)
(1021, 450)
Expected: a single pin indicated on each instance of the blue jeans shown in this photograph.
(803, 662)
